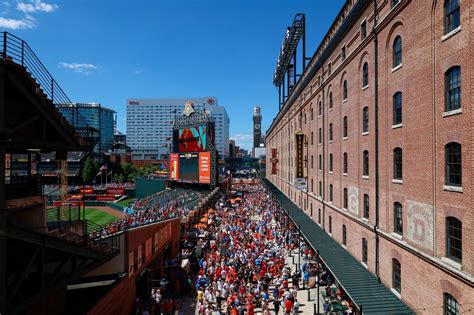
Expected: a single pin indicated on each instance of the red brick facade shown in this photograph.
(427, 53)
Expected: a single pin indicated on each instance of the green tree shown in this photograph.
(89, 171)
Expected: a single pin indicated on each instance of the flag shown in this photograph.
(103, 167)
(168, 139)
(98, 174)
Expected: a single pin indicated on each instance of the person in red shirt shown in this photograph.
(288, 306)
(250, 308)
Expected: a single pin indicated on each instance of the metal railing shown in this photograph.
(109, 245)
(18, 51)
(64, 215)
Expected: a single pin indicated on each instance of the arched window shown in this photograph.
(396, 275)
(320, 108)
(344, 127)
(330, 163)
(331, 104)
(344, 235)
(365, 119)
(319, 216)
(312, 138)
(320, 163)
(453, 164)
(312, 185)
(344, 90)
(330, 225)
(330, 132)
(398, 218)
(365, 250)
(366, 163)
(311, 207)
(345, 198)
(394, 2)
(320, 189)
(453, 89)
(397, 108)
(312, 162)
(320, 136)
(330, 193)
(344, 167)
(451, 306)
(312, 114)
(397, 52)
(397, 163)
(365, 75)
(453, 238)
(366, 206)
(452, 15)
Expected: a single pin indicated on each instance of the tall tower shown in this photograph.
(257, 128)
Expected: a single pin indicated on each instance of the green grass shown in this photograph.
(98, 216)
(126, 202)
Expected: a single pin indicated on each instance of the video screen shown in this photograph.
(188, 170)
(192, 139)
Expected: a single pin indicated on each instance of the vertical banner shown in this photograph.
(156, 242)
(299, 173)
(139, 260)
(174, 158)
(130, 264)
(205, 167)
(274, 161)
(148, 246)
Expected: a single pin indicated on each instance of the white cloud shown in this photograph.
(137, 72)
(16, 24)
(36, 6)
(84, 68)
(242, 137)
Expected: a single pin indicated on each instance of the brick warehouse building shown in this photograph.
(387, 115)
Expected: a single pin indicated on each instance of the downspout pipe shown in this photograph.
(376, 122)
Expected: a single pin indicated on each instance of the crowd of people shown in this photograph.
(160, 206)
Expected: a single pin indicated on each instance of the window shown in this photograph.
(330, 163)
(365, 75)
(452, 15)
(320, 107)
(366, 163)
(363, 30)
(397, 163)
(312, 185)
(344, 166)
(320, 189)
(453, 89)
(312, 113)
(320, 136)
(312, 162)
(331, 104)
(330, 192)
(397, 108)
(344, 90)
(394, 2)
(330, 132)
(344, 235)
(330, 225)
(397, 52)
(453, 164)
(398, 218)
(365, 119)
(343, 53)
(364, 250)
(396, 275)
(366, 206)
(451, 306)
(319, 216)
(320, 163)
(312, 138)
(329, 68)
(453, 238)
(344, 127)
(311, 206)
(345, 198)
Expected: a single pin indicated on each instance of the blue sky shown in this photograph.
(107, 51)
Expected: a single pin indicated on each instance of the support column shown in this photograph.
(3, 239)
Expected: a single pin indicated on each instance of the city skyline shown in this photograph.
(135, 53)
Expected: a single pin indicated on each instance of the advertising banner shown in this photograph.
(130, 264)
(105, 198)
(205, 167)
(116, 191)
(299, 172)
(148, 249)
(139, 260)
(174, 160)
(274, 161)
(156, 242)
(193, 139)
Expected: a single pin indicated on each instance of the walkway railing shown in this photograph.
(17, 50)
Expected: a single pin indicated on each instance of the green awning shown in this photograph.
(361, 285)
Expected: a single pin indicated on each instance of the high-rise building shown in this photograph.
(150, 123)
(385, 106)
(102, 119)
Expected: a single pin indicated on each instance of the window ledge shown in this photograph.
(452, 33)
(364, 264)
(397, 235)
(365, 220)
(365, 177)
(365, 87)
(397, 126)
(343, 246)
(397, 294)
(344, 100)
(452, 112)
(397, 181)
(331, 141)
(397, 67)
(330, 109)
(365, 133)
(331, 172)
(452, 262)
(344, 174)
(452, 188)
(319, 116)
